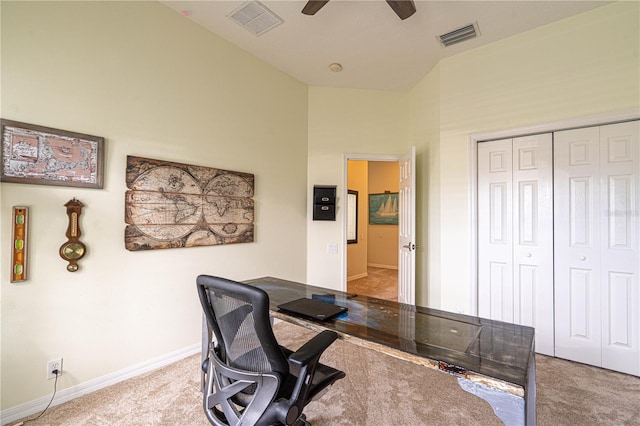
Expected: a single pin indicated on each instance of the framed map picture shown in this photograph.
(46, 156)
(174, 205)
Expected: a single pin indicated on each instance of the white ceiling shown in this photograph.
(376, 49)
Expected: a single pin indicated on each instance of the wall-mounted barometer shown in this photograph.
(73, 250)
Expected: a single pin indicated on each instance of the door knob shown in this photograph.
(528, 255)
(583, 257)
(409, 246)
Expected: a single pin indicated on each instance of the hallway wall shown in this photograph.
(358, 180)
(384, 177)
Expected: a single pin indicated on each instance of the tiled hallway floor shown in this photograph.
(381, 283)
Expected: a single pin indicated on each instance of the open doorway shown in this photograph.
(372, 256)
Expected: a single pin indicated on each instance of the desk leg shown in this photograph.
(531, 391)
(508, 407)
(511, 409)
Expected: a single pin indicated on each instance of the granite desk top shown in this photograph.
(490, 352)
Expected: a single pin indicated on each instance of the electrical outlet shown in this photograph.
(52, 365)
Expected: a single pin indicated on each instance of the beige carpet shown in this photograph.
(378, 390)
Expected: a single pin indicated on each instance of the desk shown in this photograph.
(492, 360)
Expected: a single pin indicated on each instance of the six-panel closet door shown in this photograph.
(597, 256)
(515, 234)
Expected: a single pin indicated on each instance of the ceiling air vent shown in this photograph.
(458, 35)
(254, 17)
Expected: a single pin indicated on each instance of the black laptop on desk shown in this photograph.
(312, 308)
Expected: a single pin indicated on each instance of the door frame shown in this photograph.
(476, 138)
(357, 157)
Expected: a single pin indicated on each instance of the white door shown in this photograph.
(577, 245)
(597, 256)
(620, 174)
(495, 227)
(407, 230)
(533, 236)
(515, 234)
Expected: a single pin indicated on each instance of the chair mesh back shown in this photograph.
(236, 322)
(238, 315)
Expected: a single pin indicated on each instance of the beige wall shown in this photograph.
(584, 65)
(425, 135)
(156, 85)
(384, 176)
(153, 84)
(357, 253)
(342, 122)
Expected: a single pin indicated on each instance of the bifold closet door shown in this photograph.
(515, 234)
(597, 205)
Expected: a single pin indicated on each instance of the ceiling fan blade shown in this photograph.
(402, 8)
(313, 6)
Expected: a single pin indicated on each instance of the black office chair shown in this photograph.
(250, 379)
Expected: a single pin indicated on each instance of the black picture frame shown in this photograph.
(352, 217)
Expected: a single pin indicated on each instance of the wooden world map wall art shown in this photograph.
(172, 205)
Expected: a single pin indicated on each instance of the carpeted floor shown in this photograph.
(378, 390)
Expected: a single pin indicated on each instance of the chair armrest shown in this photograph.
(302, 365)
(311, 351)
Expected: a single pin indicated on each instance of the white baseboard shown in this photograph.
(37, 405)
(377, 265)
(357, 276)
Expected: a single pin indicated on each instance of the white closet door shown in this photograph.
(533, 236)
(577, 245)
(495, 246)
(620, 216)
(597, 205)
(515, 234)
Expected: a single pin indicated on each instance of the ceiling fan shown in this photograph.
(402, 8)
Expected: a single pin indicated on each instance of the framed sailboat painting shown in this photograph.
(383, 209)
